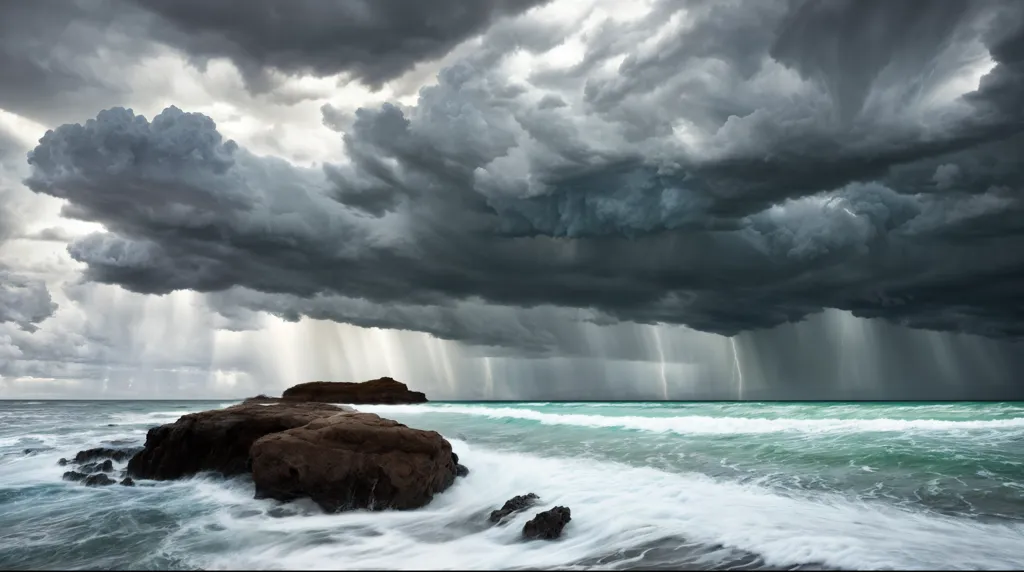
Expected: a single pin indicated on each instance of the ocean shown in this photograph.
(740, 486)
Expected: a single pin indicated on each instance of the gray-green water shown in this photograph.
(694, 485)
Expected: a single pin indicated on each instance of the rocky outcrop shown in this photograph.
(118, 455)
(352, 461)
(377, 391)
(547, 525)
(218, 440)
(98, 480)
(513, 505)
(104, 467)
(73, 476)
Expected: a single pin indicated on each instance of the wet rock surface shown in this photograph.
(352, 461)
(98, 480)
(513, 505)
(218, 440)
(547, 525)
(384, 390)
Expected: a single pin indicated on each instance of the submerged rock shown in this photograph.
(218, 440)
(376, 391)
(105, 467)
(547, 525)
(98, 480)
(460, 470)
(353, 461)
(118, 455)
(513, 505)
(128, 482)
(63, 462)
(73, 476)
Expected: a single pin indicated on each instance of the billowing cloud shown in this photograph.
(725, 166)
(371, 40)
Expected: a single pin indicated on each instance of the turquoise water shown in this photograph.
(650, 485)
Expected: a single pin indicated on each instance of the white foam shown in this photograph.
(613, 507)
(701, 424)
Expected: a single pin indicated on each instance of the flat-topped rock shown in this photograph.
(353, 461)
(218, 440)
(383, 391)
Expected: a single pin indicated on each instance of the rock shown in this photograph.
(98, 480)
(514, 505)
(218, 440)
(73, 476)
(128, 482)
(377, 391)
(105, 467)
(62, 462)
(547, 525)
(261, 399)
(353, 461)
(460, 470)
(119, 455)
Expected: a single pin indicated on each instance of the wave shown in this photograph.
(703, 424)
(616, 509)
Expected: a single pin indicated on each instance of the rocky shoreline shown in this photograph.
(306, 445)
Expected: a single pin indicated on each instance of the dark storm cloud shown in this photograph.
(804, 190)
(373, 40)
(57, 56)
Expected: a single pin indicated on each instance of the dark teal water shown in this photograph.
(670, 485)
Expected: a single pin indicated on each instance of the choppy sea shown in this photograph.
(739, 486)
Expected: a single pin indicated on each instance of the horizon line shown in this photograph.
(195, 399)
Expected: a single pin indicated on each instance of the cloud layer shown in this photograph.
(808, 178)
(731, 167)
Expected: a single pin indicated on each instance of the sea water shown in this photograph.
(650, 485)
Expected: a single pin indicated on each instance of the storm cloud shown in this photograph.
(372, 40)
(730, 167)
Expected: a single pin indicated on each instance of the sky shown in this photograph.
(513, 199)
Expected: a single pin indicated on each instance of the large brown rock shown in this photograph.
(218, 440)
(352, 461)
(376, 391)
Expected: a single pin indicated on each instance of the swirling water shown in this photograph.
(650, 485)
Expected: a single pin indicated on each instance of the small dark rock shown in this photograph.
(547, 525)
(98, 480)
(73, 476)
(119, 455)
(111, 424)
(460, 470)
(514, 505)
(62, 462)
(128, 482)
(34, 451)
(105, 467)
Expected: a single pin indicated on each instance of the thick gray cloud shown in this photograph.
(373, 40)
(58, 57)
(736, 174)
